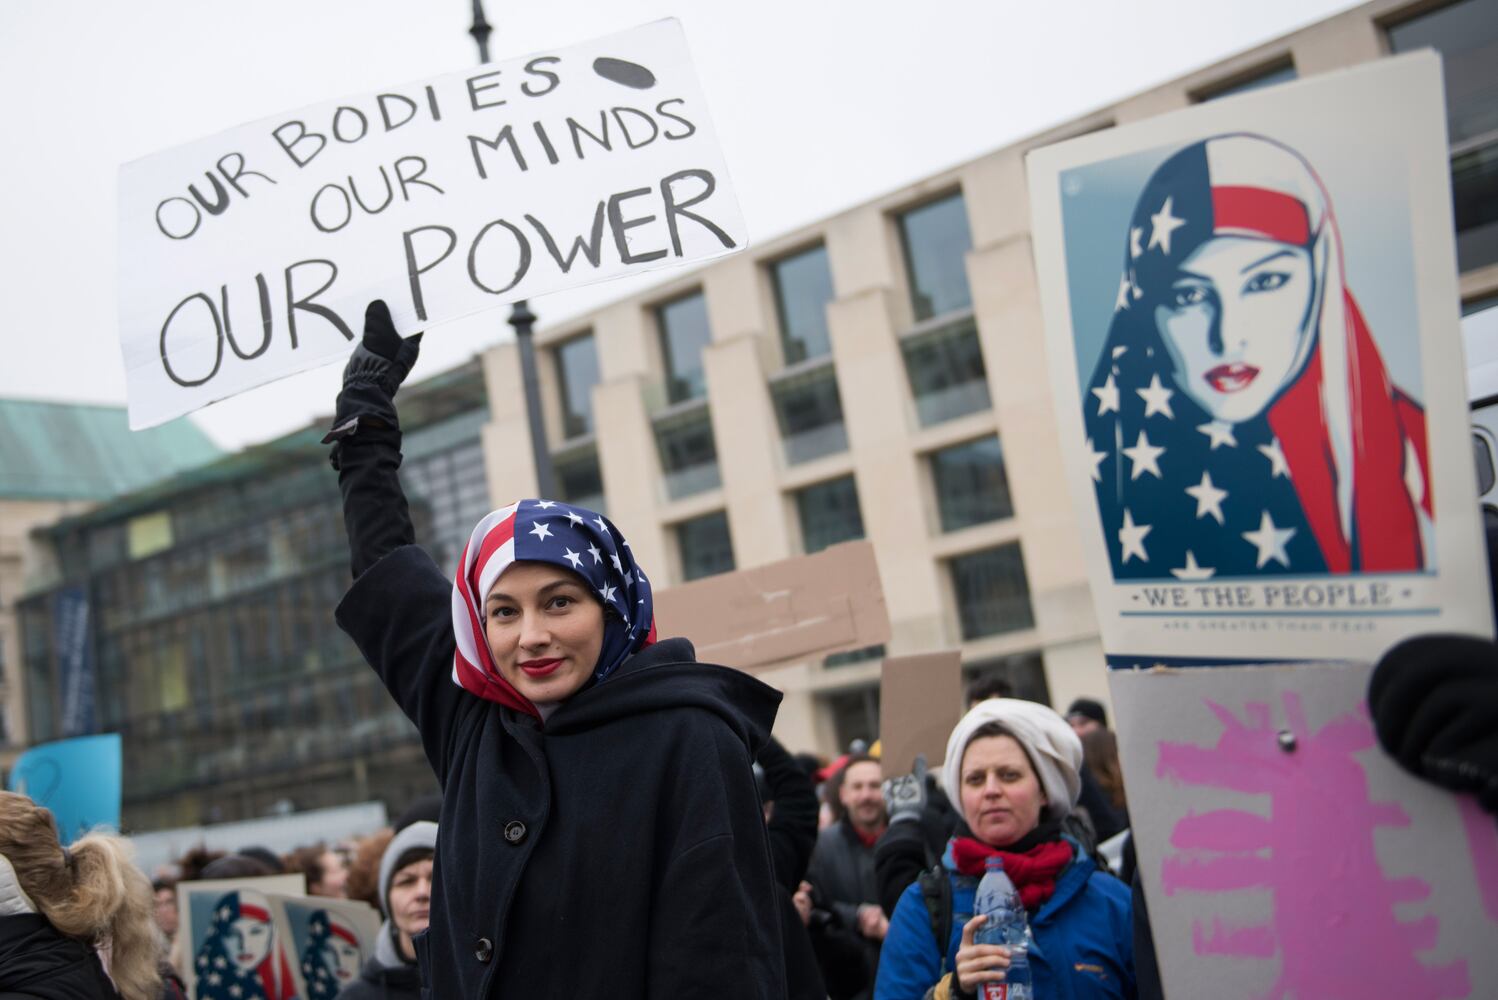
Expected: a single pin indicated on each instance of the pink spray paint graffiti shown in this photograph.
(1333, 925)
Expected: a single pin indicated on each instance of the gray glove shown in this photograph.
(905, 796)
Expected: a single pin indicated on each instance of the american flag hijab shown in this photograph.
(574, 538)
(1329, 476)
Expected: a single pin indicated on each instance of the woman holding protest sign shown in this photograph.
(67, 911)
(597, 791)
(1012, 767)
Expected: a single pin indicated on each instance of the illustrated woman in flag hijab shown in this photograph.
(1241, 420)
(237, 960)
(331, 958)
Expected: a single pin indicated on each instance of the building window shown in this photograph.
(689, 458)
(855, 715)
(992, 595)
(1466, 35)
(579, 480)
(803, 287)
(947, 376)
(1023, 672)
(936, 240)
(829, 514)
(810, 414)
(449, 494)
(1264, 77)
(971, 487)
(684, 334)
(577, 374)
(849, 657)
(705, 546)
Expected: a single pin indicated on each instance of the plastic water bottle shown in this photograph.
(999, 901)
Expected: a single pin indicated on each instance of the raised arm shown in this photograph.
(399, 609)
(366, 441)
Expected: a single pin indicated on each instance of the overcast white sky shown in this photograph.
(819, 105)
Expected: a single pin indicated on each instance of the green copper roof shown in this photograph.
(77, 451)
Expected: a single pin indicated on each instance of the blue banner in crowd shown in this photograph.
(75, 665)
(78, 779)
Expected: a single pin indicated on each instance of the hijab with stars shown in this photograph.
(331, 956)
(576, 539)
(220, 967)
(1240, 420)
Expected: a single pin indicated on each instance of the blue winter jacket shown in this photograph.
(1084, 938)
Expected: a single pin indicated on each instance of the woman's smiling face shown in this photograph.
(1234, 320)
(545, 630)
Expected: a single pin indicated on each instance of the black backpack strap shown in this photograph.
(936, 891)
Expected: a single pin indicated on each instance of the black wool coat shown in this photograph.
(617, 851)
(38, 963)
(382, 982)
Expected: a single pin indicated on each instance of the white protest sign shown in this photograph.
(1252, 320)
(250, 255)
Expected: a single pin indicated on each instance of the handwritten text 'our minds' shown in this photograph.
(492, 255)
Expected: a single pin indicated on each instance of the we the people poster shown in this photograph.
(1252, 317)
(1252, 321)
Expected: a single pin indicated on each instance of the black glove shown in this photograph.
(905, 796)
(372, 376)
(1434, 700)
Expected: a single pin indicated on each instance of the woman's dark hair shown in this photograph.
(195, 860)
(364, 870)
(236, 866)
(1100, 756)
(989, 686)
(263, 854)
(306, 861)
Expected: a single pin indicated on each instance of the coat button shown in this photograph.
(514, 831)
(484, 950)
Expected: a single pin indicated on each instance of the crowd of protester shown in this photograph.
(617, 819)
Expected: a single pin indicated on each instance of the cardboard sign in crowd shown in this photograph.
(250, 255)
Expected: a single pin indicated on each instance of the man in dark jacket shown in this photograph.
(842, 868)
(405, 888)
(616, 849)
(791, 808)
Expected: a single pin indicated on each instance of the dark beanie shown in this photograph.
(1089, 708)
(1434, 700)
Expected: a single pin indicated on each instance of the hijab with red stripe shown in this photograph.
(1330, 476)
(576, 539)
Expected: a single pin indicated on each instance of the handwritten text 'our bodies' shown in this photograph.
(642, 223)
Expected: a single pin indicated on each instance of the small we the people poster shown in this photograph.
(1252, 317)
(230, 948)
(327, 940)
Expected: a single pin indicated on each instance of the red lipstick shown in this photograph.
(540, 668)
(1231, 378)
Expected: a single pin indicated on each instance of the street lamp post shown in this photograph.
(523, 320)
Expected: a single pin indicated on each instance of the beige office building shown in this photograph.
(881, 373)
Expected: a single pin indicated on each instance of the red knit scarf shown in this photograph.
(1033, 872)
(867, 839)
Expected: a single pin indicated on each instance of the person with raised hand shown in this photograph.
(598, 799)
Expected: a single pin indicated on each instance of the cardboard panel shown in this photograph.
(920, 701)
(797, 608)
(1284, 854)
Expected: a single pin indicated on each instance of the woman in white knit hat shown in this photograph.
(1012, 769)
